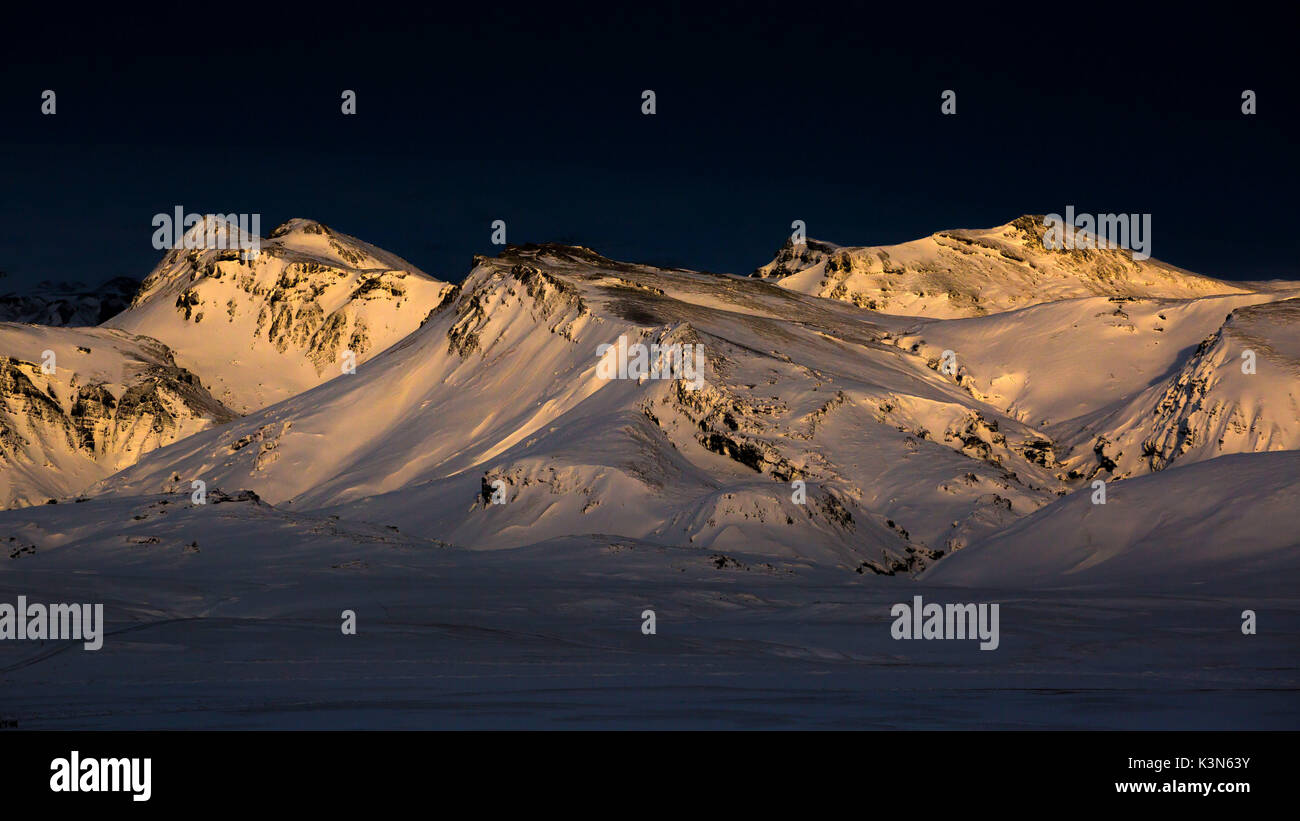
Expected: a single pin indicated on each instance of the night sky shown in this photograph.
(767, 113)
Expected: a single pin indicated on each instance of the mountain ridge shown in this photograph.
(484, 419)
(975, 272)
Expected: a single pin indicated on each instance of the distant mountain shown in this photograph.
(261, 330)
(68, 304)
(965, 273)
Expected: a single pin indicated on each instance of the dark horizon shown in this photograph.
(533, 116)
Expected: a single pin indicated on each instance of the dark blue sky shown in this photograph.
(766, 113)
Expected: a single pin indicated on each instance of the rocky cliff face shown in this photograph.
(261, 328)
(79, 404)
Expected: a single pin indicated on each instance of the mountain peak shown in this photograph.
(310, 296)
(299, 225)
(216, 231)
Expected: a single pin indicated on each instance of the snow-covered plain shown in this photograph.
(228, 616)
(373, 492)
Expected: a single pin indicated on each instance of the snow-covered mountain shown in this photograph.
(68, 304)
(253, 330)
(77, 404)
(965, 273)
(263, 329)
(819, 430)
(502, 384)
(1123, 386)
(902, 462)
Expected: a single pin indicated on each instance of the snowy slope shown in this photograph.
(966, 273)
(111, 398)
(901, 464)
(1203, 523)
(262, 330)
(1057, 361)
(1209, 407)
